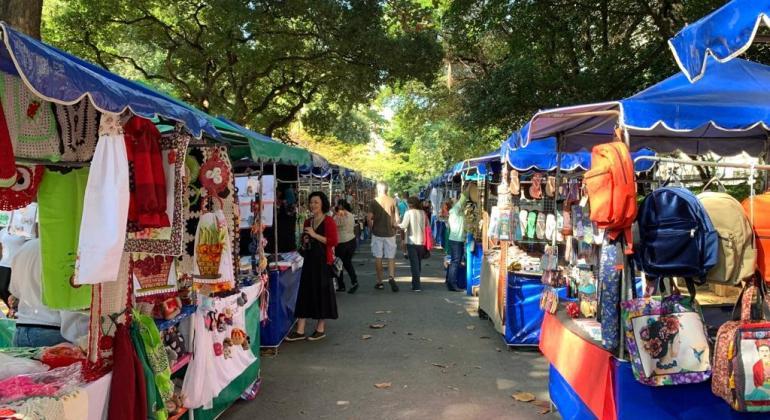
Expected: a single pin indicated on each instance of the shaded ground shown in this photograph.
(441, 360)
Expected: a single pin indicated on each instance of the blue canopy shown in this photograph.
(541, 156)
(724, 34)
(726, 112)
(62, 78)
(320, 167)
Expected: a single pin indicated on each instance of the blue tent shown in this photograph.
(724, 34)
(62, 78)
(726, 112)
(541, 156)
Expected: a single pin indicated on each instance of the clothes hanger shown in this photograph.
(716, 181)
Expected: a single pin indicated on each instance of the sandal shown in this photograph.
(379, 286)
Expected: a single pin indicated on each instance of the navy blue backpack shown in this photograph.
(677, 237)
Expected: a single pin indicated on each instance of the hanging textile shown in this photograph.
(60, 210)
(79, 125)
(156, 409)
(24, 189)
(127, 391)
(147, 206)
(156, 355)
(7, 160)
(213, 260)
(105, 208)
(167, 240)
(222, 350)
(31, 121)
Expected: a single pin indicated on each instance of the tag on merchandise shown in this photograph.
(584, 201)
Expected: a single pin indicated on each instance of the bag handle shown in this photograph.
(714, 180)
(746, 300)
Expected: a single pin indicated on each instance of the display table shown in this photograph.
(523, 315)
(588, 382)
(282, 288)
(490, 301)
(474, 254)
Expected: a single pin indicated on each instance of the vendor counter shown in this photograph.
(588, 382)
(283, 286)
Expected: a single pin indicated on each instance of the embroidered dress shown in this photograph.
(60, 210)
(105, 208)
(31, 121)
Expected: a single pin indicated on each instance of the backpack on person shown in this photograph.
(676, 236)
(611, 188)
(737, 256)
(756, 208)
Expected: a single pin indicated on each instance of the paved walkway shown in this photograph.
(440, 359)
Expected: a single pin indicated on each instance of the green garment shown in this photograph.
(156, 354)
(60, 208)
(456, 221)
(156, 409)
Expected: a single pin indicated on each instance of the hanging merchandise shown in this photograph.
(79, 130)
(23, 222)
(147, 206)
(60, 212)
(550, 186)
(515, 183)
(105, 208)
(610, 271)
(23, 191)
(666, 339)
(536, 188)
(222, 348)
(214, 175)
(7, 161)
(736, 255)
(677, 237)
(586, 288)
(213, 262)
(611, 188)
(756, 208)
(31, 121)
(128, 398)
(267, 186)
(473, 220)
(742, 354)
(153, 274)
(155, 352)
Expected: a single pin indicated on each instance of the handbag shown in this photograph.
(337, 267)
(666, 339)
(742, 353)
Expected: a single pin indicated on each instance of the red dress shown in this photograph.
(147, 205)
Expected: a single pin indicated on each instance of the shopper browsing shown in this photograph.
(456, 225)
(413, 225)
(383, 218)
(347, 246)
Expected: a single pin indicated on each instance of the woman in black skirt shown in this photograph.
(316, 298)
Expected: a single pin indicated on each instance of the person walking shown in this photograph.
(316, 298)
(346, 223)
(413, 225)
(402, 204)
(456, 226)
(383, 219)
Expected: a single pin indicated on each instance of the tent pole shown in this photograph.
(275, 214)
(559, 148)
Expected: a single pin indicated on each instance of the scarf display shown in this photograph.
(128, 400)
(147, 206)
(60, 211)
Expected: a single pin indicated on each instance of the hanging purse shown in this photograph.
(742, 353)
(666, 339)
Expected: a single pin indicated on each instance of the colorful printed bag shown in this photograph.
(666, 339)
(742, 354)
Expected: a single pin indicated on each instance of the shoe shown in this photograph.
(393, 285)
(317, 336)
(341, 288)
(406, 256)
(417, 290)
(295, 336)
(379, 286)
(353, 288)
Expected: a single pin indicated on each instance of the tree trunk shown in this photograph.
(24, 15)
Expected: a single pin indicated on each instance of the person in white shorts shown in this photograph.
(383, 219)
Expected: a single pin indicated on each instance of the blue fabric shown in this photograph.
(455, 276)
(36, 337)
(725, 34)
(567, 402)
(439, 233)
(541, 155)
(58, 76)
(283, 287)
(523, 315)
(473, 257)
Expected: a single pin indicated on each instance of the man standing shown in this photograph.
(456, 225)
(383, 219)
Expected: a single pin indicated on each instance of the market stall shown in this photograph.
(648, 328)
(137, 238)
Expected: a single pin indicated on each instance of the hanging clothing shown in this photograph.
(147, 206)
(128, 399)
(155, 351)
(7, 160)
(60, 211)
(316, 296)
(105, 208)
(156, 409)
(79, 130)
(31, 121)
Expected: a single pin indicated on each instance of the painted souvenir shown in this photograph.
(211, 321)
(227, 351)
(229, 316)
(242, 299)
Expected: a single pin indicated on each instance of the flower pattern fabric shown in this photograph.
(609, 276)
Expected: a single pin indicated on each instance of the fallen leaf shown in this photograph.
(408, 333)
(343, 402)
(379, 312)
(376, 326)
(383, 385)
(471, 327)
(366, 337)
(545, 405)
(439, 365)
(498, 349)
(477, 367)
(484, 337)
(454, 388)
(523, 396)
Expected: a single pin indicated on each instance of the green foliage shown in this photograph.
(257, 62)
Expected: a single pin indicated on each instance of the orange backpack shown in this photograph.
(760, 222)
(611, 188)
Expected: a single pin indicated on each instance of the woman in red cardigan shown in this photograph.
(316, 298)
